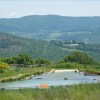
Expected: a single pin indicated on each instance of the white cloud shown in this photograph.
(29, 13)
(12, 14)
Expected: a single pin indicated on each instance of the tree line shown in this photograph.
(77, 57)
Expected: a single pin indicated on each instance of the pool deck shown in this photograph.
(67, 70)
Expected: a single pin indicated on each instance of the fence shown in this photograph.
(41, 86)
(33, 93)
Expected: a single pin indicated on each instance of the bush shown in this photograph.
(1, 71)
(3, 65)
(42, 61)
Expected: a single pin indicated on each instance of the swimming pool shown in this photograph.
(53, 79)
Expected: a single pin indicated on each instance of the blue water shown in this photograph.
(53, 79)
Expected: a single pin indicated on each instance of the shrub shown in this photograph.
(3, 65)
(78, 57)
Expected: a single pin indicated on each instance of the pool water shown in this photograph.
(53, 79)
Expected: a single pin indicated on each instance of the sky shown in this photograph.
(19, 8)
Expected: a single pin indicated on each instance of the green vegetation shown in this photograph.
(3, 65)
(53, 26)
(56, 45)
(75, 60)
(14, 73)
(53, 50)
(20, 59)
(23, 65)
(78, 57)
(76, 92)
(42, 61)
(24, 60)
(12, 46)
(88, 47)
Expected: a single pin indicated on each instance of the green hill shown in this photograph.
(49, 27)
(12, 45)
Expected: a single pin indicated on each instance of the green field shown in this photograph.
(76, 92)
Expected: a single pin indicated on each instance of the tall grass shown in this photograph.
(76, 92)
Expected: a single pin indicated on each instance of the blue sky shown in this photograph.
(18, 8)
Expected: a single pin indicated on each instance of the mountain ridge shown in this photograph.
(44, 26)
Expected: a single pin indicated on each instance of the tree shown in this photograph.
(42, 61)
(20, 59)
(24, 59)
(79, 57)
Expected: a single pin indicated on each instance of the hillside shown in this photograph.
(53, 27)
(12, 45)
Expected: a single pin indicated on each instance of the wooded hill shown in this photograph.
(48, 27)
(11, 45)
